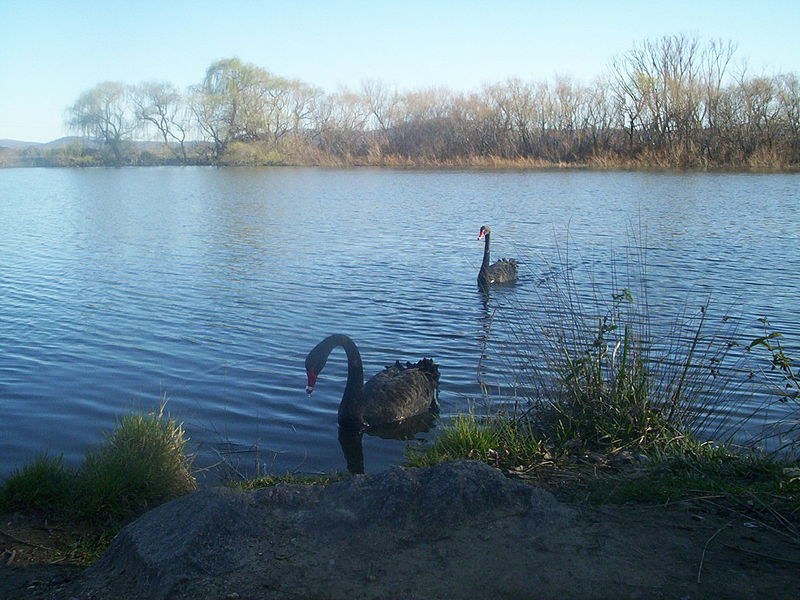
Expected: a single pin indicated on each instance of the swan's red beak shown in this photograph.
(312, 380)
(480, 235)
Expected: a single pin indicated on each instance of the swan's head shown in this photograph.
(315, 361)
(312, 372)
(312, 380)
(484, 231)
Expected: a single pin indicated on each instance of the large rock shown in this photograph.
(292, 539)
(426, 501)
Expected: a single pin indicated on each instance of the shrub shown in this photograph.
(251, 154)
(142, 464)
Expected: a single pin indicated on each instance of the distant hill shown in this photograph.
(59, 143)
(6, 143)
(71, 140)
(79, 151)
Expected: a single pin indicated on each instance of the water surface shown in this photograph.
(207, 287)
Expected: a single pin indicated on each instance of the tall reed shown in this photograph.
(603, 375)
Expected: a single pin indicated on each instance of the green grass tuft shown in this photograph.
(142, 464)
(503, 442)
(44, 485)
(88, 548)
(746, 482)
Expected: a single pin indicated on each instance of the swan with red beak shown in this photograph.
(398, 392)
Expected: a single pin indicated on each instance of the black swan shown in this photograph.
(396, 393)
(503, 271)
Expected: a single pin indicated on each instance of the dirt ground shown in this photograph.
(682, 551)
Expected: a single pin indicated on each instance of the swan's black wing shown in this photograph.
(401, 391)
(503, 271)
(408, 428)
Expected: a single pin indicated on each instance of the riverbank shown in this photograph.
(34, 157)
(484, 538)
(723, 525)
(53, 515)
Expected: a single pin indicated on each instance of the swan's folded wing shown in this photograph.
(399, 392)
(503, 270)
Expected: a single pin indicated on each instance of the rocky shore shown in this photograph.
(456, 530)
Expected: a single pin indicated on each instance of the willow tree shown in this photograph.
(240, 102)
(104, 112)
(224, 103)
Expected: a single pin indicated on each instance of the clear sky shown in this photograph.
(53, 50)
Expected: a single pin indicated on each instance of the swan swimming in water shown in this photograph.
(396, 393)
(503, 271)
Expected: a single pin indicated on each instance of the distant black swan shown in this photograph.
(503, 271)
(396, 393)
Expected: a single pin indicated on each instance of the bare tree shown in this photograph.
(340, 124)
(160, 105)
(424, 127)
(382, 102)
(789, 107)
(599, 119)
(716, 60)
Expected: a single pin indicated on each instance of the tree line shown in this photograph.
(675, 101)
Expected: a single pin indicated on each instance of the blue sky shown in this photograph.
(51, 51)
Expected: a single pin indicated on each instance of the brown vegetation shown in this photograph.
(674, 102)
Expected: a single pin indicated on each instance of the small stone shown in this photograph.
(597, 457)
(232, 596)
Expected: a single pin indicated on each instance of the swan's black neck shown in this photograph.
(483, 273)
(349, 408)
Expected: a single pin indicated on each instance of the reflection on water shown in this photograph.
(206, 287)
(351, 439)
